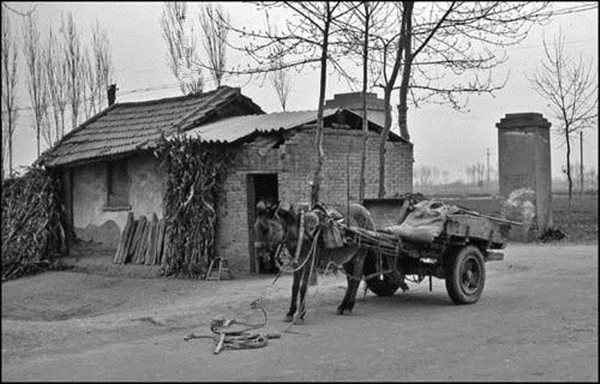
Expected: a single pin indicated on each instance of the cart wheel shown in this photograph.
(385, 287)
(465, 275)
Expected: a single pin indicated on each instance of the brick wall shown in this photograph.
(294, 162)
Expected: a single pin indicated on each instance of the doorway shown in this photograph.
(261, 186)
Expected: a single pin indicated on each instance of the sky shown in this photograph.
(442, 137)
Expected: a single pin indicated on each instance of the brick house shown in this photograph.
(108, 169)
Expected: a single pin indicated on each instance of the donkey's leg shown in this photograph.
(295, 286)
(348, 302)
(352, 290)
(303, 288)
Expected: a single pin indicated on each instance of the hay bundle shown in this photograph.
(32, 231)
(196, 173)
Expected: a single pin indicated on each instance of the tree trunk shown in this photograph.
(569, 179)
(365, 123)
(314, 196)
(37, 131)
(10, 144)
(581, 184)
(387, 94)
(406, 71)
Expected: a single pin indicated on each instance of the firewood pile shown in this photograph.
(142, 241)
(32, 230)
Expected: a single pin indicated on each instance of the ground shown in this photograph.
(536, 321)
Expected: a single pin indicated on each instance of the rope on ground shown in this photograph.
(240, 339)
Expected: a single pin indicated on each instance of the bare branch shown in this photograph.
(74, 66)
(213, 21)
(24, 14)
(571, 90)
(178, 32)
(8, 54)
(36, 77)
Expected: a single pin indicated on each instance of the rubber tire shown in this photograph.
(385, 287)
(459, 289)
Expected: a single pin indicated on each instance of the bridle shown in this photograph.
(313, 237)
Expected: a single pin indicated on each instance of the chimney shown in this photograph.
(112, 90)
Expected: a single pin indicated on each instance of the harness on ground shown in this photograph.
(225, 337)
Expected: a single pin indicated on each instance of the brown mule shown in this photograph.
(275, 226)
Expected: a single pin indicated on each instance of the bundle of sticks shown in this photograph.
(32, 229)
(385, 242)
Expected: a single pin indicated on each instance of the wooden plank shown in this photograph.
(127, 252)
(141, 250)
(151, 249)
(479, 227)
(165, 247)
(403, 212)
(119, 254)
(159, 241)
(128, 236)
(137, 239)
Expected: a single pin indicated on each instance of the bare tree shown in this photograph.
(178, 32)
(36, 77)
(98, 71)
(591, 178)
(359, 31)
(90, 85)
(424, 174)
(280, 81)
(214, 21)
(310, 35)
(103, 65)
(445, 175)
(403, 41)
(9, 54)
(74, 57)
(56, 72)
(571, 89)
(450, 42)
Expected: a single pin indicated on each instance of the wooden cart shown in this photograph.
(458, 255)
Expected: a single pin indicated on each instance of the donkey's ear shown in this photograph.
(286, 213)
(261, 208)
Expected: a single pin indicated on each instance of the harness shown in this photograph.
(302, 233)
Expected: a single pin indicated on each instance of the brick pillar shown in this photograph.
(524, 162)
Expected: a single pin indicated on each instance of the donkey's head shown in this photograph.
(273, 226)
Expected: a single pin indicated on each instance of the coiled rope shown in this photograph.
(241, 339)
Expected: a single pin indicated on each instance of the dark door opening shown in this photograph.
(264, 187)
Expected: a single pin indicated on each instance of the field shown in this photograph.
(583, 225)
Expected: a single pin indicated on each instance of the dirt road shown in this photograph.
(536, 321)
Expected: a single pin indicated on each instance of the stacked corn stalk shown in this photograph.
(32, 230)
(196, 173)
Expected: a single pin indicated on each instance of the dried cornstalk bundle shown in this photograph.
(196, 173)
(32, 230)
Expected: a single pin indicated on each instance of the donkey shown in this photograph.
(275, 226)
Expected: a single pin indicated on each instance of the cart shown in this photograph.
(457, 255)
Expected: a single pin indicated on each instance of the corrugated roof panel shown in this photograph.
(234, 128)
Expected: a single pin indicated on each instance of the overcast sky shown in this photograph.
(442, 137)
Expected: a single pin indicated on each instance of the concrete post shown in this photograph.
(524, 162)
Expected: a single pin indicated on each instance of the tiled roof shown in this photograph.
(127, 127)
(235, 128)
